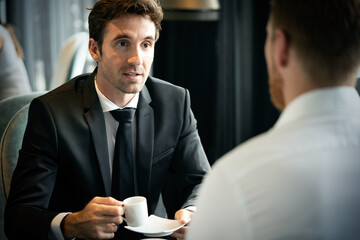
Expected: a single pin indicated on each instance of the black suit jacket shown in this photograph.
(64, 162)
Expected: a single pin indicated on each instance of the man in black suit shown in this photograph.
(62, 183)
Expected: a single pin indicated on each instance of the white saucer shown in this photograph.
(157, 227)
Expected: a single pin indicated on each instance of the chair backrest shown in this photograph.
(13, 112)
(9, 106)
(9, 151)
(10, 145)
(71, 60)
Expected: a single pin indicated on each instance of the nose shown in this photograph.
(136, 57)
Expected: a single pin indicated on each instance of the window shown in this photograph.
(43, 26)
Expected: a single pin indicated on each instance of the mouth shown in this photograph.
(132, 74)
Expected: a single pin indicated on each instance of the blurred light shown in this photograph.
(190, 10)
(194, 5)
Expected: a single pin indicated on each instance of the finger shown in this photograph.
(106, 210)
(183, 220)
(101, 231)
(101, 236)
(179, 233)
(110, 228)
(107, 201)
(183, 215)
(109, 220)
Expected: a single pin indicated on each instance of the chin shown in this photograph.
(134, 89)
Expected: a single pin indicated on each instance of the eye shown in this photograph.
(121, 44)
(146, 45)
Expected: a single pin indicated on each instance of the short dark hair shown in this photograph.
(107, 10)
(324, 33)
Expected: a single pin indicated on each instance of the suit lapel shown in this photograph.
(145, 141)
(95, 118)
(145, 136)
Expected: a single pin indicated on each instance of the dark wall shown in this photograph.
(186, 56)
(222, 63)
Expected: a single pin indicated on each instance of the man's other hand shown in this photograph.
(184, 216)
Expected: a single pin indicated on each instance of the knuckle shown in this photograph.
(118, 220)
(119, 211)
(97, 235)
(95, 220)
(115, 227)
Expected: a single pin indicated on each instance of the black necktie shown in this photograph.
(123, 167)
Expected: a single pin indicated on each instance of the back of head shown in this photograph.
(325, 35)
(107, 10)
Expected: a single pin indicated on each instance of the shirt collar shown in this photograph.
(108, 105)
(320, 102)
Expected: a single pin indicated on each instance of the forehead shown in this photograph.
(133, 25)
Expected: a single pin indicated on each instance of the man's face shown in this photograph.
(275, 80)
(127, 53)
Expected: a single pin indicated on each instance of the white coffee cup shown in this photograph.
(136, 212)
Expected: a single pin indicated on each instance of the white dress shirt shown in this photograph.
(112, 125)
(299, 180)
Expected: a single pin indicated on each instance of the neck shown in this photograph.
(292, 91)
(116, 96)
(300, 83)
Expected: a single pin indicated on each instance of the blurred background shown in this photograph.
(213, 48)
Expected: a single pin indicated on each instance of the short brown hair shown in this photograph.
(324, 33)
(107, 10)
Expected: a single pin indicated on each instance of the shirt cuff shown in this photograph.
(55, 232)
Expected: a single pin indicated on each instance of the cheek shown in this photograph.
(267, 52)
(148, 59)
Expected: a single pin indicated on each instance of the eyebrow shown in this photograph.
(125, 36)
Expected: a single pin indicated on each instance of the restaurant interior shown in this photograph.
(215, 49)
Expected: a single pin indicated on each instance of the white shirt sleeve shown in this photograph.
(55, 232)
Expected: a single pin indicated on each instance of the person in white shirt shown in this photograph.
(299, 180)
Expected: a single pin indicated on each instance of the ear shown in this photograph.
(94, 50)
(1, 43)
(282, 50)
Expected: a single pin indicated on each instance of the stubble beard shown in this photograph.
(121, 83)
(129, 88)
(276, 89)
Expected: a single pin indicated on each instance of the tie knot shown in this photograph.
(123, 115)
